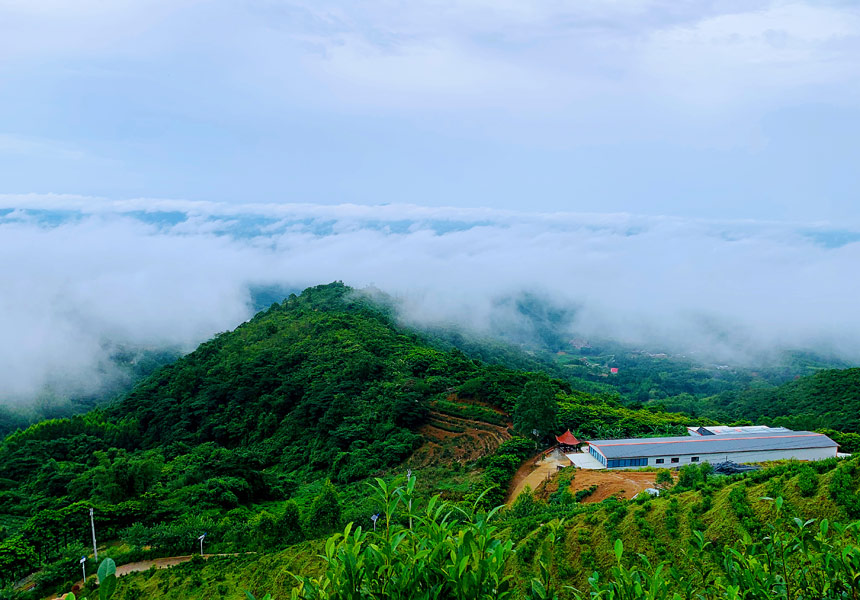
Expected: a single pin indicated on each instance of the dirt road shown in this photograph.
(158, 563)
(535, 471)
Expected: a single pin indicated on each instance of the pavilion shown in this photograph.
(567, 441)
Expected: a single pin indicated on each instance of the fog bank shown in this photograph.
(82, 275)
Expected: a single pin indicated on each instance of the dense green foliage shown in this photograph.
(324, 385)
(264, 437)
(536, 411)
(449, 552)
(691, 531)
(827, 399)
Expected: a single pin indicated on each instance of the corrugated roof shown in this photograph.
(711, 444)
(744, 429)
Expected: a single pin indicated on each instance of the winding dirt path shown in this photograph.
(158, 563)
(536, 470)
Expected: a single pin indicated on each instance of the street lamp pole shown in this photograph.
(93, 527)
(201, 543)
(408, 478)
(83, 562)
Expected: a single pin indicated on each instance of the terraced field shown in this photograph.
(450, 438)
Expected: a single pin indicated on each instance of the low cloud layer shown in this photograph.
(82, 275)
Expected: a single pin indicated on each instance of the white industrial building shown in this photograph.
(731, 429)
(740, 447)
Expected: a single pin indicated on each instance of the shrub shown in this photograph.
(325, 512)
(664, 479)
(807, 482)
(843, 493)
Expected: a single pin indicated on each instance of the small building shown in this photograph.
(567, 441)
(670, 452)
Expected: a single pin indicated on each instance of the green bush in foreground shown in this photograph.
(448, 552)
(443, 552)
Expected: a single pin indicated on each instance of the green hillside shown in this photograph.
(266, 437)
(829, 399)
(712, 532)
(240, 437)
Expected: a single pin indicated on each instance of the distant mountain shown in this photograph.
(827, 399)
(121, 369)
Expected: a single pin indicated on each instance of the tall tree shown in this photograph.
(536, 411)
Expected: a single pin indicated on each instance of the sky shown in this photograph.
(683, 173)
(710, 109)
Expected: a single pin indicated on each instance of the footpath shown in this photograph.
(536, 470)
(158, 563)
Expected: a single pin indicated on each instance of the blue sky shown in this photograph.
(715, 109)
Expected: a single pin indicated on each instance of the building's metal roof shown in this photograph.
(744, 429)
(711, 444)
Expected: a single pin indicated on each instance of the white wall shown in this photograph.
(741, 457)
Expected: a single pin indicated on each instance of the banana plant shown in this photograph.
(106, 579)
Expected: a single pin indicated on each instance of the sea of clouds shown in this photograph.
(81, 276)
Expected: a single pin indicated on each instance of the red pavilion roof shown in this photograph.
(567, 438)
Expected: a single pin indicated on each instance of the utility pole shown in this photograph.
(408, 479)
(83, 562)
(93, 526)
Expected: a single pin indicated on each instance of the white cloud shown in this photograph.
(441, 53)
(55, 30)
(552, 54)
(104, 276)
(733, 56)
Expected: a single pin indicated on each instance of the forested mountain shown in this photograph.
(266, 437)
(322, 385)
(829, 399)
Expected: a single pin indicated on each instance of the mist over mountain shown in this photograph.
(86, 276)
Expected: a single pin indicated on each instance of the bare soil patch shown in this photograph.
(621, 484)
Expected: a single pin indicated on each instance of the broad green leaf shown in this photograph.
(107, 567)
(619, 549)
(107, 586)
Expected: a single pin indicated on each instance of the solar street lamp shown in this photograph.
(408, 479)
(93, 526)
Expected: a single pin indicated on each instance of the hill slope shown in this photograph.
(322, 385)
(238, 438)
(827, 399)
